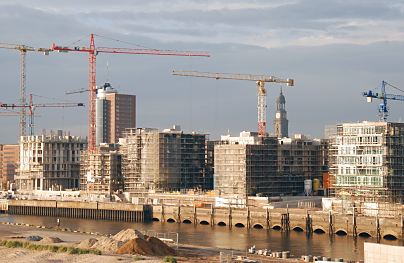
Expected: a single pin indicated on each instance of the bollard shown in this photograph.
(285, 254)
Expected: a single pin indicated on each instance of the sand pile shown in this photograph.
(143, 245)
(51, 240)
(107, 244)
(128, 234)
(87, 243)
(136, 246)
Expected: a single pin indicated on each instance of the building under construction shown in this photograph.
(367, 161)
(49, 162)
(170, 160)
(101, 171)
(250, 165)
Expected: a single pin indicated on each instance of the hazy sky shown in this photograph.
(334, 50)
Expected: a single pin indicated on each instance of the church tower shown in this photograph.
(281, 122)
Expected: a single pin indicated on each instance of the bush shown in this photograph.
(52, 248)
(169, 259)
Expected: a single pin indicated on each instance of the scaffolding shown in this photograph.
(367, 162)
(163, 161)
(101, 171)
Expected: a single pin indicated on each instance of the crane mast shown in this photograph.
(260, 81)
(93, 51)
(23, 49)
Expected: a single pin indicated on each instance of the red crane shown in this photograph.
(31, 106)
(92, 53)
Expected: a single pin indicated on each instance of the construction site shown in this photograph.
(120, 159)
(170, 160)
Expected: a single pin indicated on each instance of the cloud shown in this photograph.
(334, 50)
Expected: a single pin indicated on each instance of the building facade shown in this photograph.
(170, 160)
(101, 171)
(243, 170)
(9, 159)
(49, 162)
(114, 113)
(266, 166)
(367, 161)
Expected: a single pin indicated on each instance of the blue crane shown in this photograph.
(383, 110)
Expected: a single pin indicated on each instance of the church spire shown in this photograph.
(281, 121)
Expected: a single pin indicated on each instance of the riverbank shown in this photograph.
(185, 253)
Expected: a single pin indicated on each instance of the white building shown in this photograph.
(367, 161)
(49, 162)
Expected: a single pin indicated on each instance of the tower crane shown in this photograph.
(383, 109)
(259, 79)
(31, 107)
(93, 51)
(23, 49)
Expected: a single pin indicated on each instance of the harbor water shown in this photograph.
(298, 243)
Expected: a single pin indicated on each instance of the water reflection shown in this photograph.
(220, 236)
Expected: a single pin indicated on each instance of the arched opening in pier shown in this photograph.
(341, 233)
(187, 221)
(364, 234)
(277, 228)
(239, 225)
(221, 224)
(155, 219)
(204, 223)
(258, 226)
(319, 231)
(298, 229)
(170, 220)
(390, 237)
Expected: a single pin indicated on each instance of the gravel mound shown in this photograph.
(51, 240)
(107, 244)
(128, 234)
(87, 243)
(34, 238)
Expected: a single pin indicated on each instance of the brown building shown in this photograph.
(114, 113)
(9, 158)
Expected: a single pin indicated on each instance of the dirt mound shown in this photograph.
(136, 246)
(87, 243)
(160, 248)
(150, 247)
(51, 240)
(128, 234)
(107, 244)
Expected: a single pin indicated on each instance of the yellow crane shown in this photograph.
(259, 79)
(23, 49)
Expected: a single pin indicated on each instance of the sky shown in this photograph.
(334, 50)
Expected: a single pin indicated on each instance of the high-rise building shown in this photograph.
(49, 162)
(114, 113)
(367, 161)
(281, 121)
(164, 161)
(9, 158)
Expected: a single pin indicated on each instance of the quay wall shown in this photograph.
(283, 219)
(76, 209)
